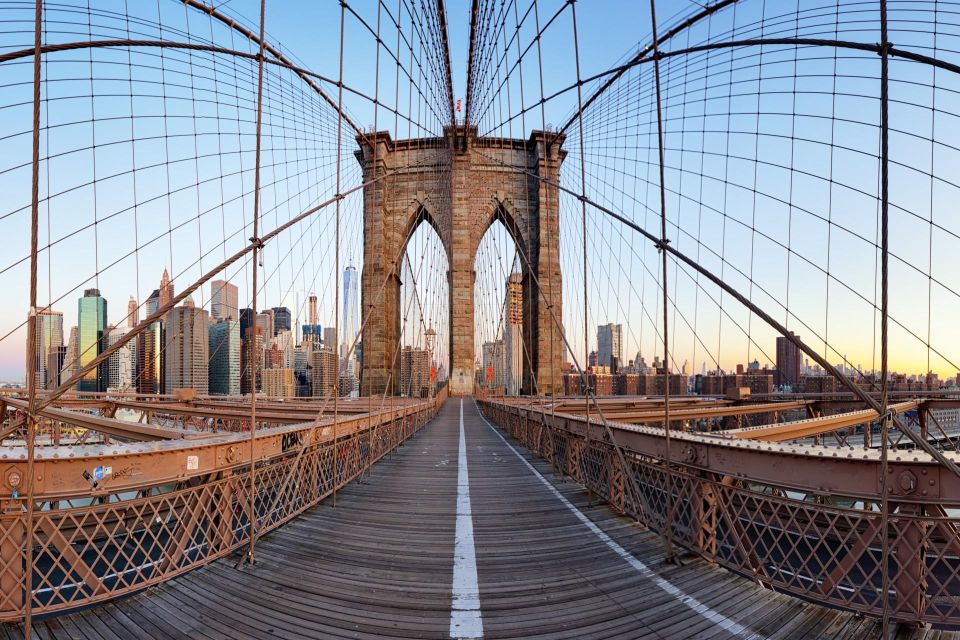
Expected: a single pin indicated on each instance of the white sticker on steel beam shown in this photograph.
(665, 585)
(465, 618)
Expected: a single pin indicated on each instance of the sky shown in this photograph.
(771, 178)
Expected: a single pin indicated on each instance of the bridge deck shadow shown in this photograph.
(380, 564)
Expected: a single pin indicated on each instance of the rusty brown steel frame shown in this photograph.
(145, 512)
(802, 520)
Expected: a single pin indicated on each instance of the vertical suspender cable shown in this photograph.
(583, 210)
(668, 479)
(374, 145)
(32, 329)
(557, 384)
(336, 262)
(885, 415)
(252, 340)
(533, 386)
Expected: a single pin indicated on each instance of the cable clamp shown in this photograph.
(888, 415)
(885, 48)
(661, 245)
(256, 242)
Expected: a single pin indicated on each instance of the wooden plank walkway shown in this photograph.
(380, 565)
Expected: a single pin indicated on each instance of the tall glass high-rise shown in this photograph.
(150, 359)
(610, 345)
(186, 365)
(92, 323)
(49, 337)
(153, 302)
(223, 300)
(224, 348)
(281, 320)
(350, 318)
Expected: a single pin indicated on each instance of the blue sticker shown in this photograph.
(98, 473)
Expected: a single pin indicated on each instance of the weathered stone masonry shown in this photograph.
(461, 184)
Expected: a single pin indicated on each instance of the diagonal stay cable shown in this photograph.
(845, 380)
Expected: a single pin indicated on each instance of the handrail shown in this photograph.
(157, 510)
(800, 519)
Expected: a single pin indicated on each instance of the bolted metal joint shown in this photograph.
(907, 482)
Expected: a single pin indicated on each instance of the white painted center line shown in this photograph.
(465, 618)
(713, 616)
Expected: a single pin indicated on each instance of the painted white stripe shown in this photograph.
(665, 585)
(465, 618)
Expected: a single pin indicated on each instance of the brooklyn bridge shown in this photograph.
(480, 319)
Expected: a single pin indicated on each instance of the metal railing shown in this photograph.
(822, 542)
(112, 542)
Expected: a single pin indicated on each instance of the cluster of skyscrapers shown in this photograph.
(502, 359)
(417, 372)
(209, 352)
(606, 374)
(500, 368)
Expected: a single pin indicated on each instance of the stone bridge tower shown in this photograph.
(461, 184)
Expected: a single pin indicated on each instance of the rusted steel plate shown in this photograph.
(132, 466)
(697, 413)
(850, 472)
(117, 428)
(785, 431)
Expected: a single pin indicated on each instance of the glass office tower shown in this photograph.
(224, 370)
(92, 324)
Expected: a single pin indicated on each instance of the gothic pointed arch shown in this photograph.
(460, 184)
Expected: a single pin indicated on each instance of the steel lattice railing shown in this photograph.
(792, 542)
(125, 542)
